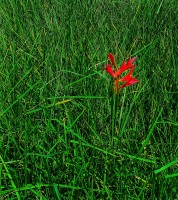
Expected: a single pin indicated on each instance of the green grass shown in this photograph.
(55, 100)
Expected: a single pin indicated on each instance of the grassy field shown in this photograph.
(55, 100)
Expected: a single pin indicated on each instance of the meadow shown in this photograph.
(56, 99)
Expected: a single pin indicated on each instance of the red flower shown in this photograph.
(117, 72)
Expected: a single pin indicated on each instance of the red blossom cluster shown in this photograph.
(117, 72)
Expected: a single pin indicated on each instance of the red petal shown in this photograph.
(110, 70)
(132, 59)
(130, 82)
(126, 65)
(133, 80)
(111, 58)
(129, 75)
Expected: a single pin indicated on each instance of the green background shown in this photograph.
(55, 100)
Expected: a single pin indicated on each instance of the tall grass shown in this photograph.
(55, 100)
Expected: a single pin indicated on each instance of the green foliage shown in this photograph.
(55, 100)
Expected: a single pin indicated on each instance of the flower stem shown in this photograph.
(114, 107)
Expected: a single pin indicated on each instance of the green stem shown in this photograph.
(114, 107)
